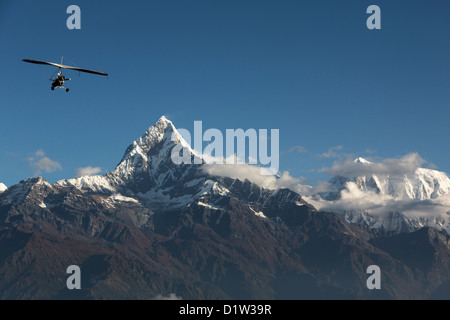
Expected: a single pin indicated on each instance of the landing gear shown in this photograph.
(53, 88)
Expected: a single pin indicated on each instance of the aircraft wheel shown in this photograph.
(53, 89)
(67, 90)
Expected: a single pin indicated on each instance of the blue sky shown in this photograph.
(308, 68)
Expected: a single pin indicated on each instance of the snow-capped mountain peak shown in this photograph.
(32, 188)
(148, 174)
(392, 199)
(151, 150)
(146, 163)
(360, 160)
(2, 187)
(420, 184)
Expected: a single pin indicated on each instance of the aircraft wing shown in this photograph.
(86, 70)
(65, 67)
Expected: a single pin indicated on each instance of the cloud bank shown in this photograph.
(352, 199)
(253, 174)
(88, 171)
(41, 163)
(407, 164)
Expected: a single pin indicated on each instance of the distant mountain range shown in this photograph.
(394, 201)
(422, 184)
(151, 228)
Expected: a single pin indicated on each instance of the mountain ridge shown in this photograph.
(151, 228)
(147, 173)
(404, 201)
(421, 184)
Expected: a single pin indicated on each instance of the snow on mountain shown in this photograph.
(2, 187)
(421, 184)
(361, 161)
(403, 200)
(148, 174)
(151, 152)
(24, 190)
(94, 183)
(397, 221)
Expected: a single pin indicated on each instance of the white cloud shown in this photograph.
(320, 170)
(88, 171)
(239, 171)
(40, 153)
(333, 152)
(354, 199)
(321, 186)
(40, 163)
(36, 155)
(45, 164)
(404, 165)
(253, 174)
(297, 149)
